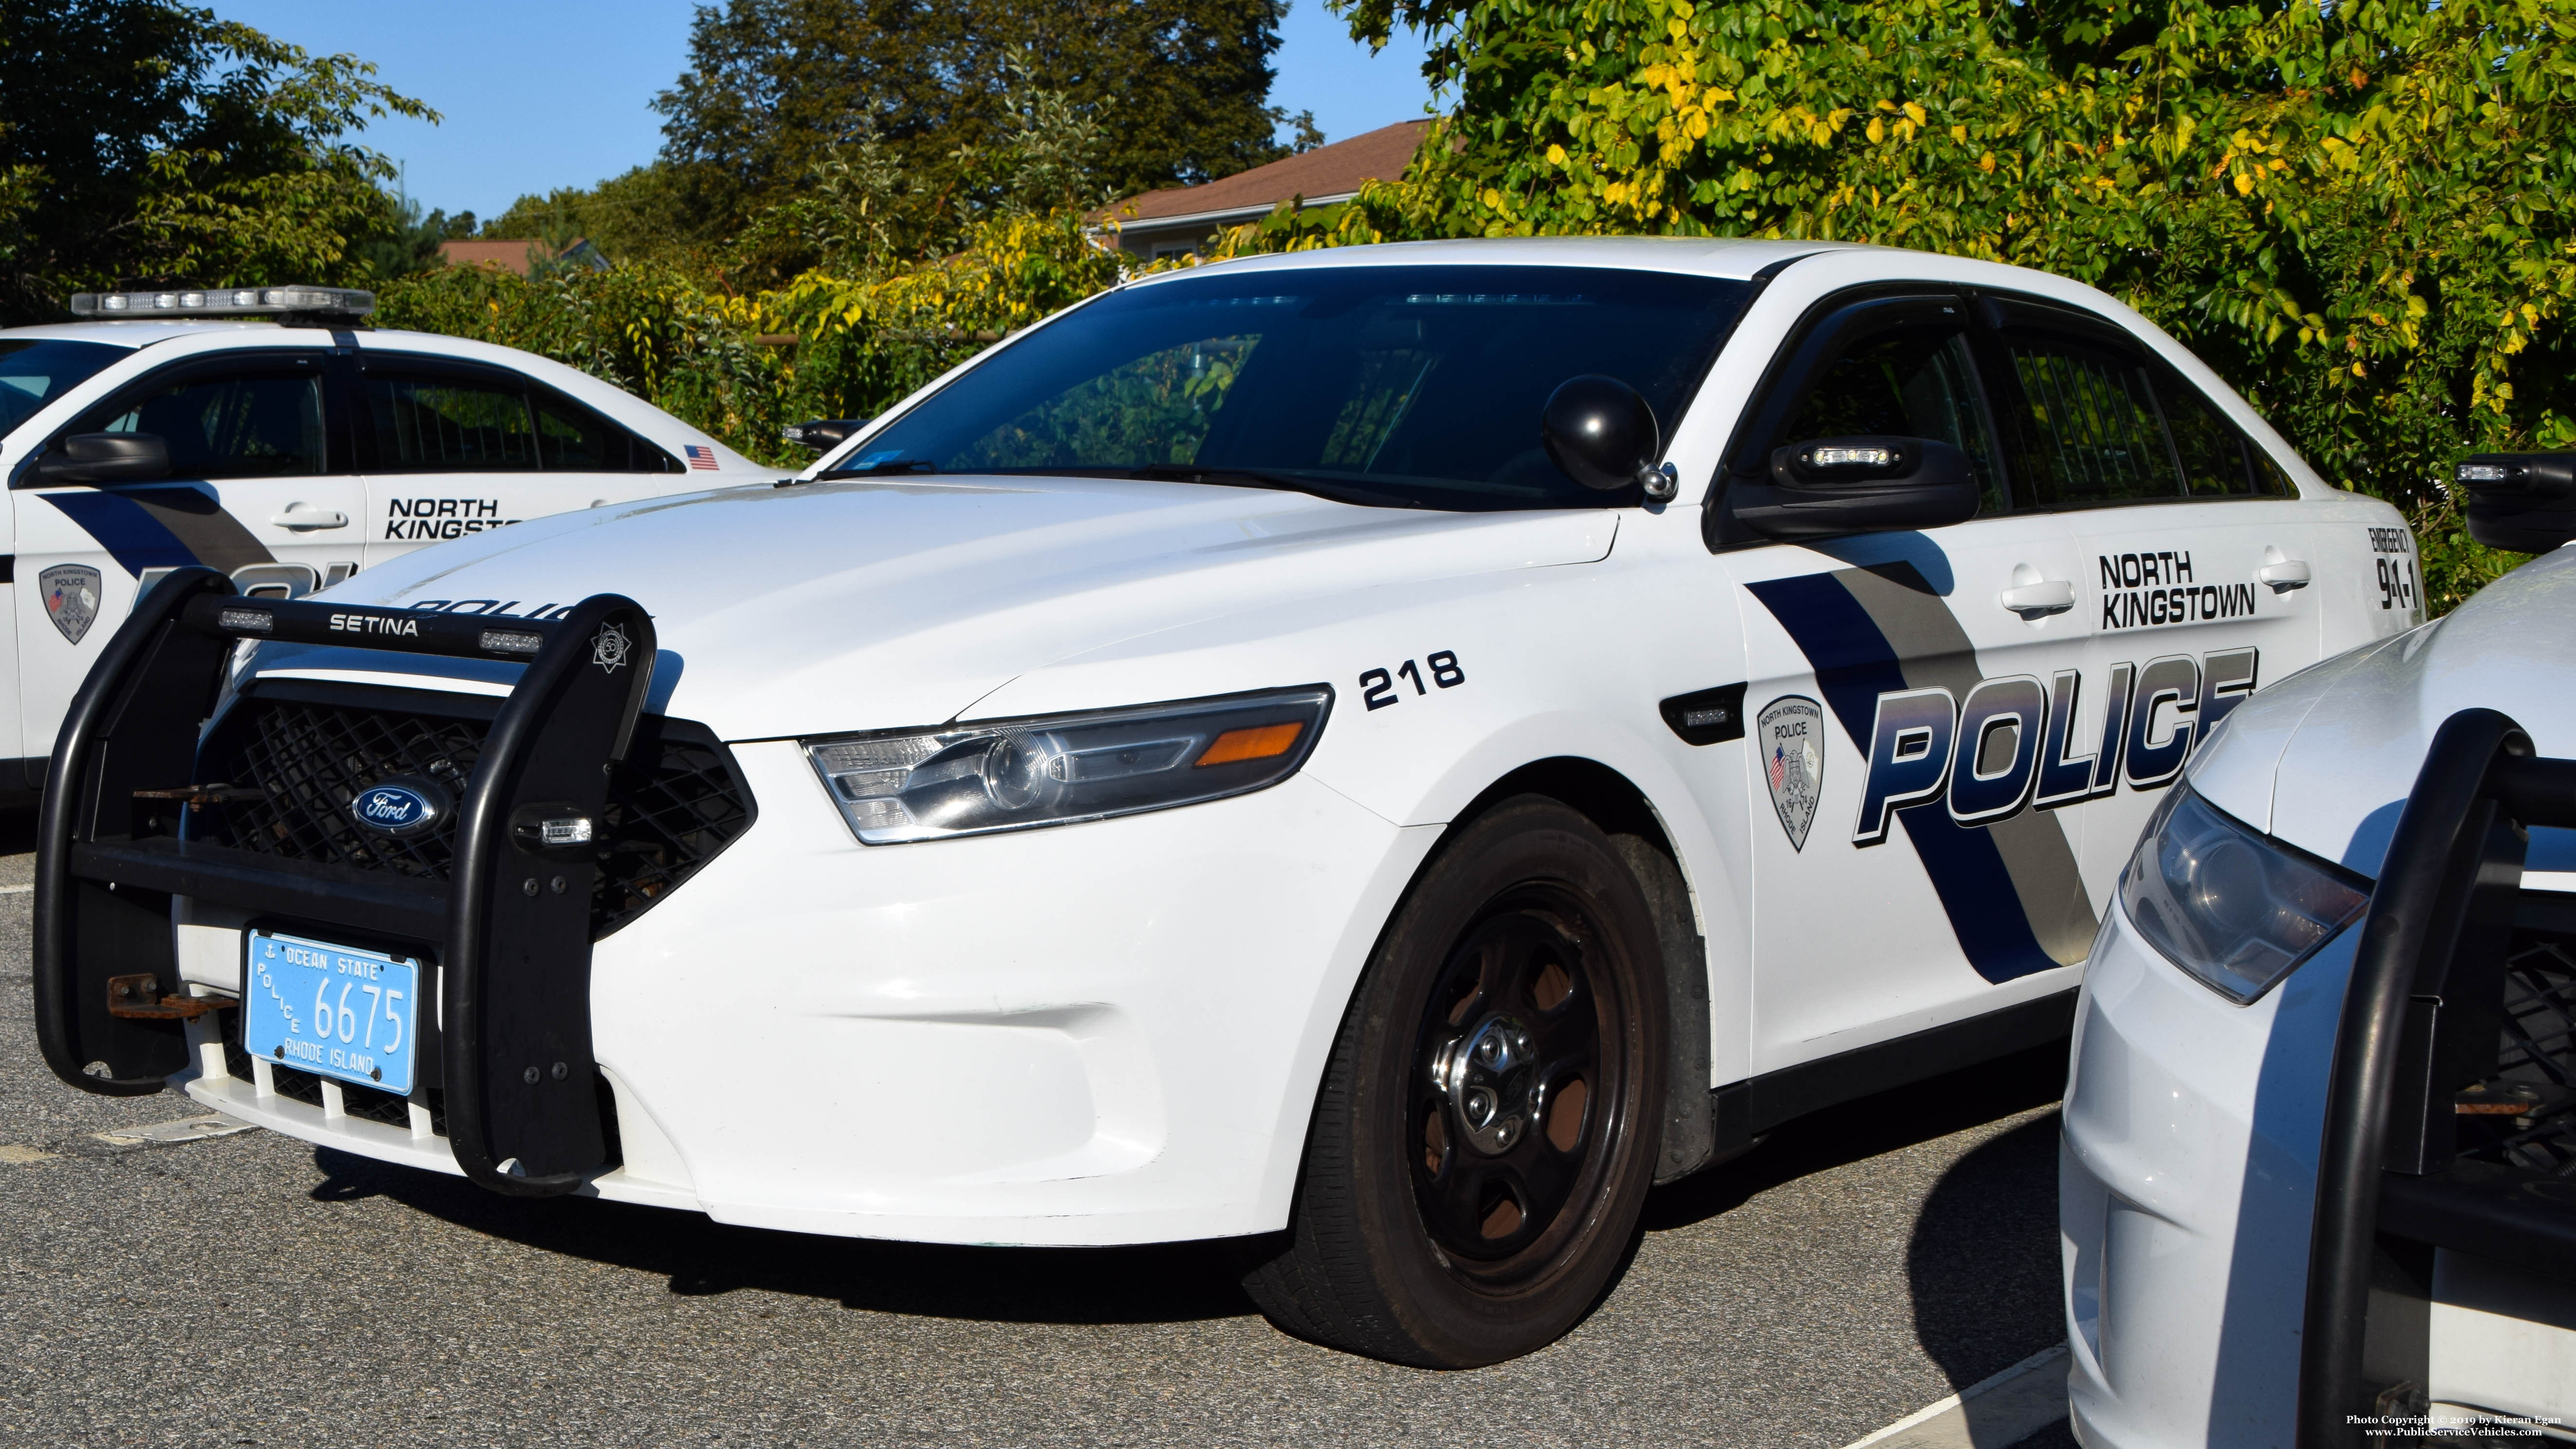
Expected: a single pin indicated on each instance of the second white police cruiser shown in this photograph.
(268, 433)
(1382, 754)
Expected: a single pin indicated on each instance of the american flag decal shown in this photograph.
(701, 457)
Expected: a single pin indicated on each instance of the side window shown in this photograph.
(1915, 381)
(572, 438)
(237, 425)
(450, 425)
(2088, 423)
(2217, 460)
(2213, 457)
(2269, 480)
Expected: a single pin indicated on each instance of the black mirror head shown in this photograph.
(106, 458)
(823, 434)
(1602, 433)
(1829, 486)
(2525, 502)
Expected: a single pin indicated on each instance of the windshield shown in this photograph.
(1400, 386)
(34, 373)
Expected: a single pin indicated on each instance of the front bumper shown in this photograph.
(1090, 1034)
(1098, 1033)
(2186, 1182)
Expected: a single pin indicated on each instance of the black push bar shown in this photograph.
(2421, 1020)
(509, 927)
(413, 631)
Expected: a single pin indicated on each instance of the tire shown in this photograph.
(1489, 1118)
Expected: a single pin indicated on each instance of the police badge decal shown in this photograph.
(1792, 731)
(70, 592)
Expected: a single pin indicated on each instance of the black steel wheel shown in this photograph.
(1487, 1127)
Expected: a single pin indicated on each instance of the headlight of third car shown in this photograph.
(1052, 770)
(2236, 909)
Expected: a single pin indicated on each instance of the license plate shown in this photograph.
(333, 1010)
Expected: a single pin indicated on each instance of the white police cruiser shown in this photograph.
(180, 428)
(2322, 1117)
(1379, 753)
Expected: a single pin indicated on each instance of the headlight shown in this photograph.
(1056, 769)
(2237, 910)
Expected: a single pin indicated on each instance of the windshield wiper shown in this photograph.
(879, 470)
(1256, 478)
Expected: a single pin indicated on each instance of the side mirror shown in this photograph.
(822, 435)
(1833, 486)
(106, 458)
(1603, 434)
(2525, 502)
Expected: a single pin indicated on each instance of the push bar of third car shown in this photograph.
(2422, 1015)
(507, 927)
(458, 636)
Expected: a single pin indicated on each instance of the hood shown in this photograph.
(882, 603)
(2325, 759)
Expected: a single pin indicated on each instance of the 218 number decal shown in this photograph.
(1377, 686)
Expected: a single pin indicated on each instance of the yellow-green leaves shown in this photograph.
(2357, 212)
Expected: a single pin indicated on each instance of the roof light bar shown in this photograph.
(226, 302)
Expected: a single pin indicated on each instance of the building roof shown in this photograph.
(1327, 173)
(507, 255)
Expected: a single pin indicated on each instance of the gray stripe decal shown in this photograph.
(1933, 650)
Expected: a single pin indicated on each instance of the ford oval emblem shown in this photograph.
(404, 805)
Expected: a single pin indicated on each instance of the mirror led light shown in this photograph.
(1851, 457)
(2234, 908)
(1056, 769)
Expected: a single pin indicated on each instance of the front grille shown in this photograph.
(2536, 1064)
(673, 804)
(313, 759)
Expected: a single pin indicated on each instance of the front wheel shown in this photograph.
(1487, 1127)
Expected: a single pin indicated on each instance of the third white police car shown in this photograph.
(2322, 1117)
(1381, 753)
(188, 427)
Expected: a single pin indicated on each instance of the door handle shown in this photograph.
(2282, 572)
(302, 518)
(2040, 599)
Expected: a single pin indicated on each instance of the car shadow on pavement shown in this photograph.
(1165, 1283)
(1854, 1131)
(1983, 1263)
(1182, 1282)
(1981, 1266)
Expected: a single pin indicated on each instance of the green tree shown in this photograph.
(149, 143)
(778, 90)
(859, 215)
(2356, 211)
(409, 245)
(647, 212)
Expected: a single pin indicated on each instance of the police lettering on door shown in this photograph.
(2014, 744)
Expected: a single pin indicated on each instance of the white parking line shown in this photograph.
(19, 1155)
(1989, 1414)
(186, 1129)
(16, 890)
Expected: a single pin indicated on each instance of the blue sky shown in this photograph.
(556, 93)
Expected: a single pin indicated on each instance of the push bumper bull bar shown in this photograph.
(2416, 1041)
(510, 926)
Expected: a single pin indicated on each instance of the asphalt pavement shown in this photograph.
(250, 1289)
